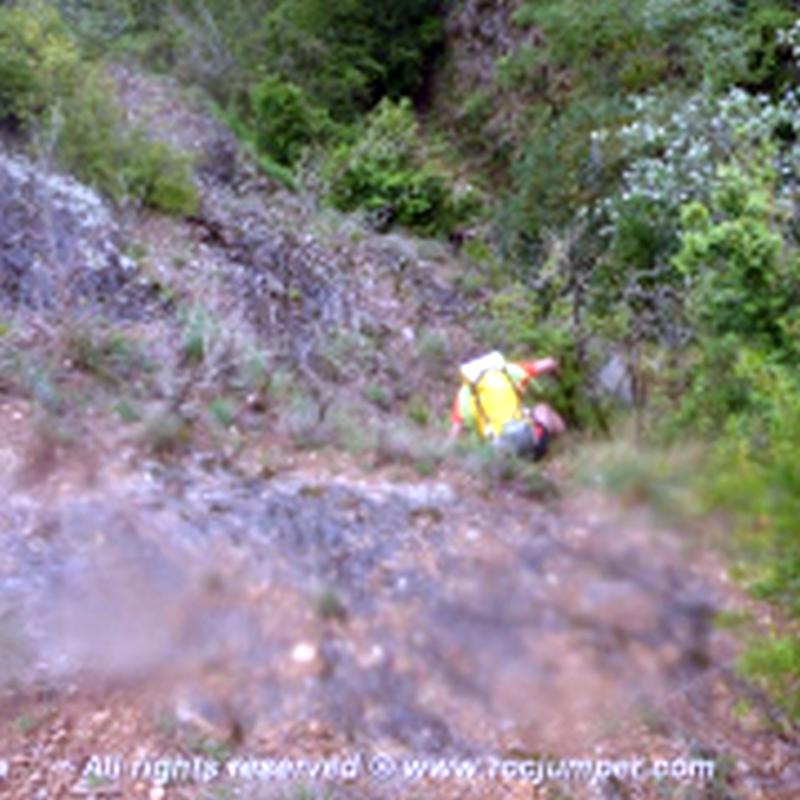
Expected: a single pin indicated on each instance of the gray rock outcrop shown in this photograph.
(59, 243)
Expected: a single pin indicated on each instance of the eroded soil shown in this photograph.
(332, 611)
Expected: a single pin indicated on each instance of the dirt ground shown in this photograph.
(192, 631)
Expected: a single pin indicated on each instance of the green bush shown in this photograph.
(111, 356)
(284, 120)
(39, 63)
(774, 663)
(559, 175)
(595, 39)
(159, 176)
(634, 45)
(246, 133)
(88, 136)
(386, 170)
(742, 275)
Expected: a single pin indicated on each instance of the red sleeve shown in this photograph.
(529, 368)
(455, 413)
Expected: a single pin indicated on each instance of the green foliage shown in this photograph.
(48, 89)
(634, 45)
(89, 136)
(93, 143)
(616, 153)
(743, 279)
(200, 332)
(350, 54)
(557, 175)
(126, 165)
(755, 475)
(418, 410)
(39, 63)
(369, 171)
(379, 396)
(775, 664)
(744, 282)
(284, 120)
(601, 41)
(158, 176)
(108, 355)
(246, 133)
(99, 24)
(386, 170)
(343, 56)
(222, 411)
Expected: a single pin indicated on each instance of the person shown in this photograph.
(489, 402)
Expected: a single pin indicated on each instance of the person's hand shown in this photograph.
(545, 365)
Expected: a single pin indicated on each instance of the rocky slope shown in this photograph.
(190, 610)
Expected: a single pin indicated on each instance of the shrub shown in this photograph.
(632, 45)
(379, 396)
(158, 176)
(419, 411)
(596, 39)
(223, 411)
(111, 356)
(38, 62)
(336, 53)
(558, 174)
(167, 434)
(742, 298)
(774, 663)
(742, 280)
(47, 88)
(386, 169)
(284, 120)
(754, 475)
(89, 136)
(245, 132)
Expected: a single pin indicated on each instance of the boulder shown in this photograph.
(59, 243)
(615, 380)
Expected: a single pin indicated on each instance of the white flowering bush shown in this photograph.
(677, 146)
(674, 148)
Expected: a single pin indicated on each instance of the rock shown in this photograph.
(423, 497)
(59, 243)
(304, 653)
(206, 714)
(615, 380)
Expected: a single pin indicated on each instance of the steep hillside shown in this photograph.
(239, 557)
